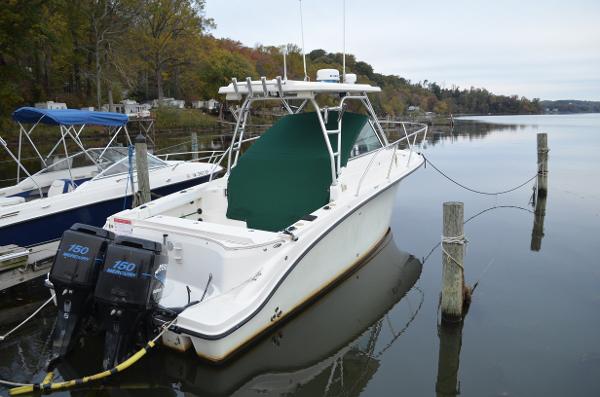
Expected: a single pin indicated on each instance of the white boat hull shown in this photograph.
(332, 255)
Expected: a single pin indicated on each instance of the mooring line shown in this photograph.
(2, 337)
(427, 161)
(29, 388)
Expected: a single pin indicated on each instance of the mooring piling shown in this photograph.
(542, 158)
(194, 146)
(541, 192)
(143, 179)
(453, 282)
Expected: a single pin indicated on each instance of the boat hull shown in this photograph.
(48, 228)
(331, 256)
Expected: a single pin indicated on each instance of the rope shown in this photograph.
(26, 320)
(460, 240)
(475, 190)
(46, 386)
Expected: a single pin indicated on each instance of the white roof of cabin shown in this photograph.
(294, 87)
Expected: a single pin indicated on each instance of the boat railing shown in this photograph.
(209, 156)
(420, 129)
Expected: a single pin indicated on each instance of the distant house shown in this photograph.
(129, 107)
(413, 108)
(211, 105)
(51, 105)
(169, 102)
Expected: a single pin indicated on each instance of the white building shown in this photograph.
(51, 105)
(129, 107)
(210, 105)
(169, 102)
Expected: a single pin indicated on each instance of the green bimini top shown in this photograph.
(286, 174)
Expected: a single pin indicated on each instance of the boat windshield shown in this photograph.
(82, 160)
(119, 162)
(366, 141)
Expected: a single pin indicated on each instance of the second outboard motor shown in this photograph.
(73, 274)
(128, 290)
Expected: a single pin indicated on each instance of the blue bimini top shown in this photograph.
(69, 117)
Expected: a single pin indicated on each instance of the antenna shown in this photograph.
(302, 32)
(344, 41)
(284, 63)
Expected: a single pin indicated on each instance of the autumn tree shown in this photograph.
(168, 33)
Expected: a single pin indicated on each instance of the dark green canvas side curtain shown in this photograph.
(286, 174)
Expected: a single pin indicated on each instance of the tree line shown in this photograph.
(92, 52)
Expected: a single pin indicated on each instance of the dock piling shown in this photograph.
(141, 161)
(542, 157)
(541, 192)
(194, 146)
(453, 241)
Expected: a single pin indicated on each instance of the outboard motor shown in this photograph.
(128, 290)
(79, 258)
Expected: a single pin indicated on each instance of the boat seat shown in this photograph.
(60, 186)
(8, 201)
(286, 174)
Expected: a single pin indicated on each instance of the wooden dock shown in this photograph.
(18, 264)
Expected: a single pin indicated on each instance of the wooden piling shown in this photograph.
(541, 192)
(452, 259)
(542, 158)
(143, 179)
(194, 146)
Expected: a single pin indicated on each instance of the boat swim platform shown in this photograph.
(19, 265)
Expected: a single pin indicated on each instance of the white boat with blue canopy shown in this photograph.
(295, 212)
(77, 183)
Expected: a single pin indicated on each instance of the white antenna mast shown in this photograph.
(302, 32)
(284, 63)
(344, 42)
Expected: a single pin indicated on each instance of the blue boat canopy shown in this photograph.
(69, 117)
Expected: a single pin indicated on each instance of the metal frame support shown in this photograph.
(263, 80)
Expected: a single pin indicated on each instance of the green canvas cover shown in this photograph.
(286, 174)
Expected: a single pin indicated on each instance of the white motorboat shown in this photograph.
(331, 348)
(230, 259)
(86, 186)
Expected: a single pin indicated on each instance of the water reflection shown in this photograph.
(447, 383)
(538, 222)
(333, 347)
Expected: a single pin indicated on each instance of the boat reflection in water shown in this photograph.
(332, 347)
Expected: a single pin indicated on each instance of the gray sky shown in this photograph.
(547, 49)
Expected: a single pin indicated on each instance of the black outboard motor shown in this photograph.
(79, 258)
(128, 290)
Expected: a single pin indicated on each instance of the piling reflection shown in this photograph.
(333, 347)
(447, 383)
(538, 222)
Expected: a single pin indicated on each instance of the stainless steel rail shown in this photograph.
(422, 128)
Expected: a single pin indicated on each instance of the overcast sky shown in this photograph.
(547, 49)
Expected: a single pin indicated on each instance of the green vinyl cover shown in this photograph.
(286, 174)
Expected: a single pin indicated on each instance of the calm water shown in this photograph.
(532, 329)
